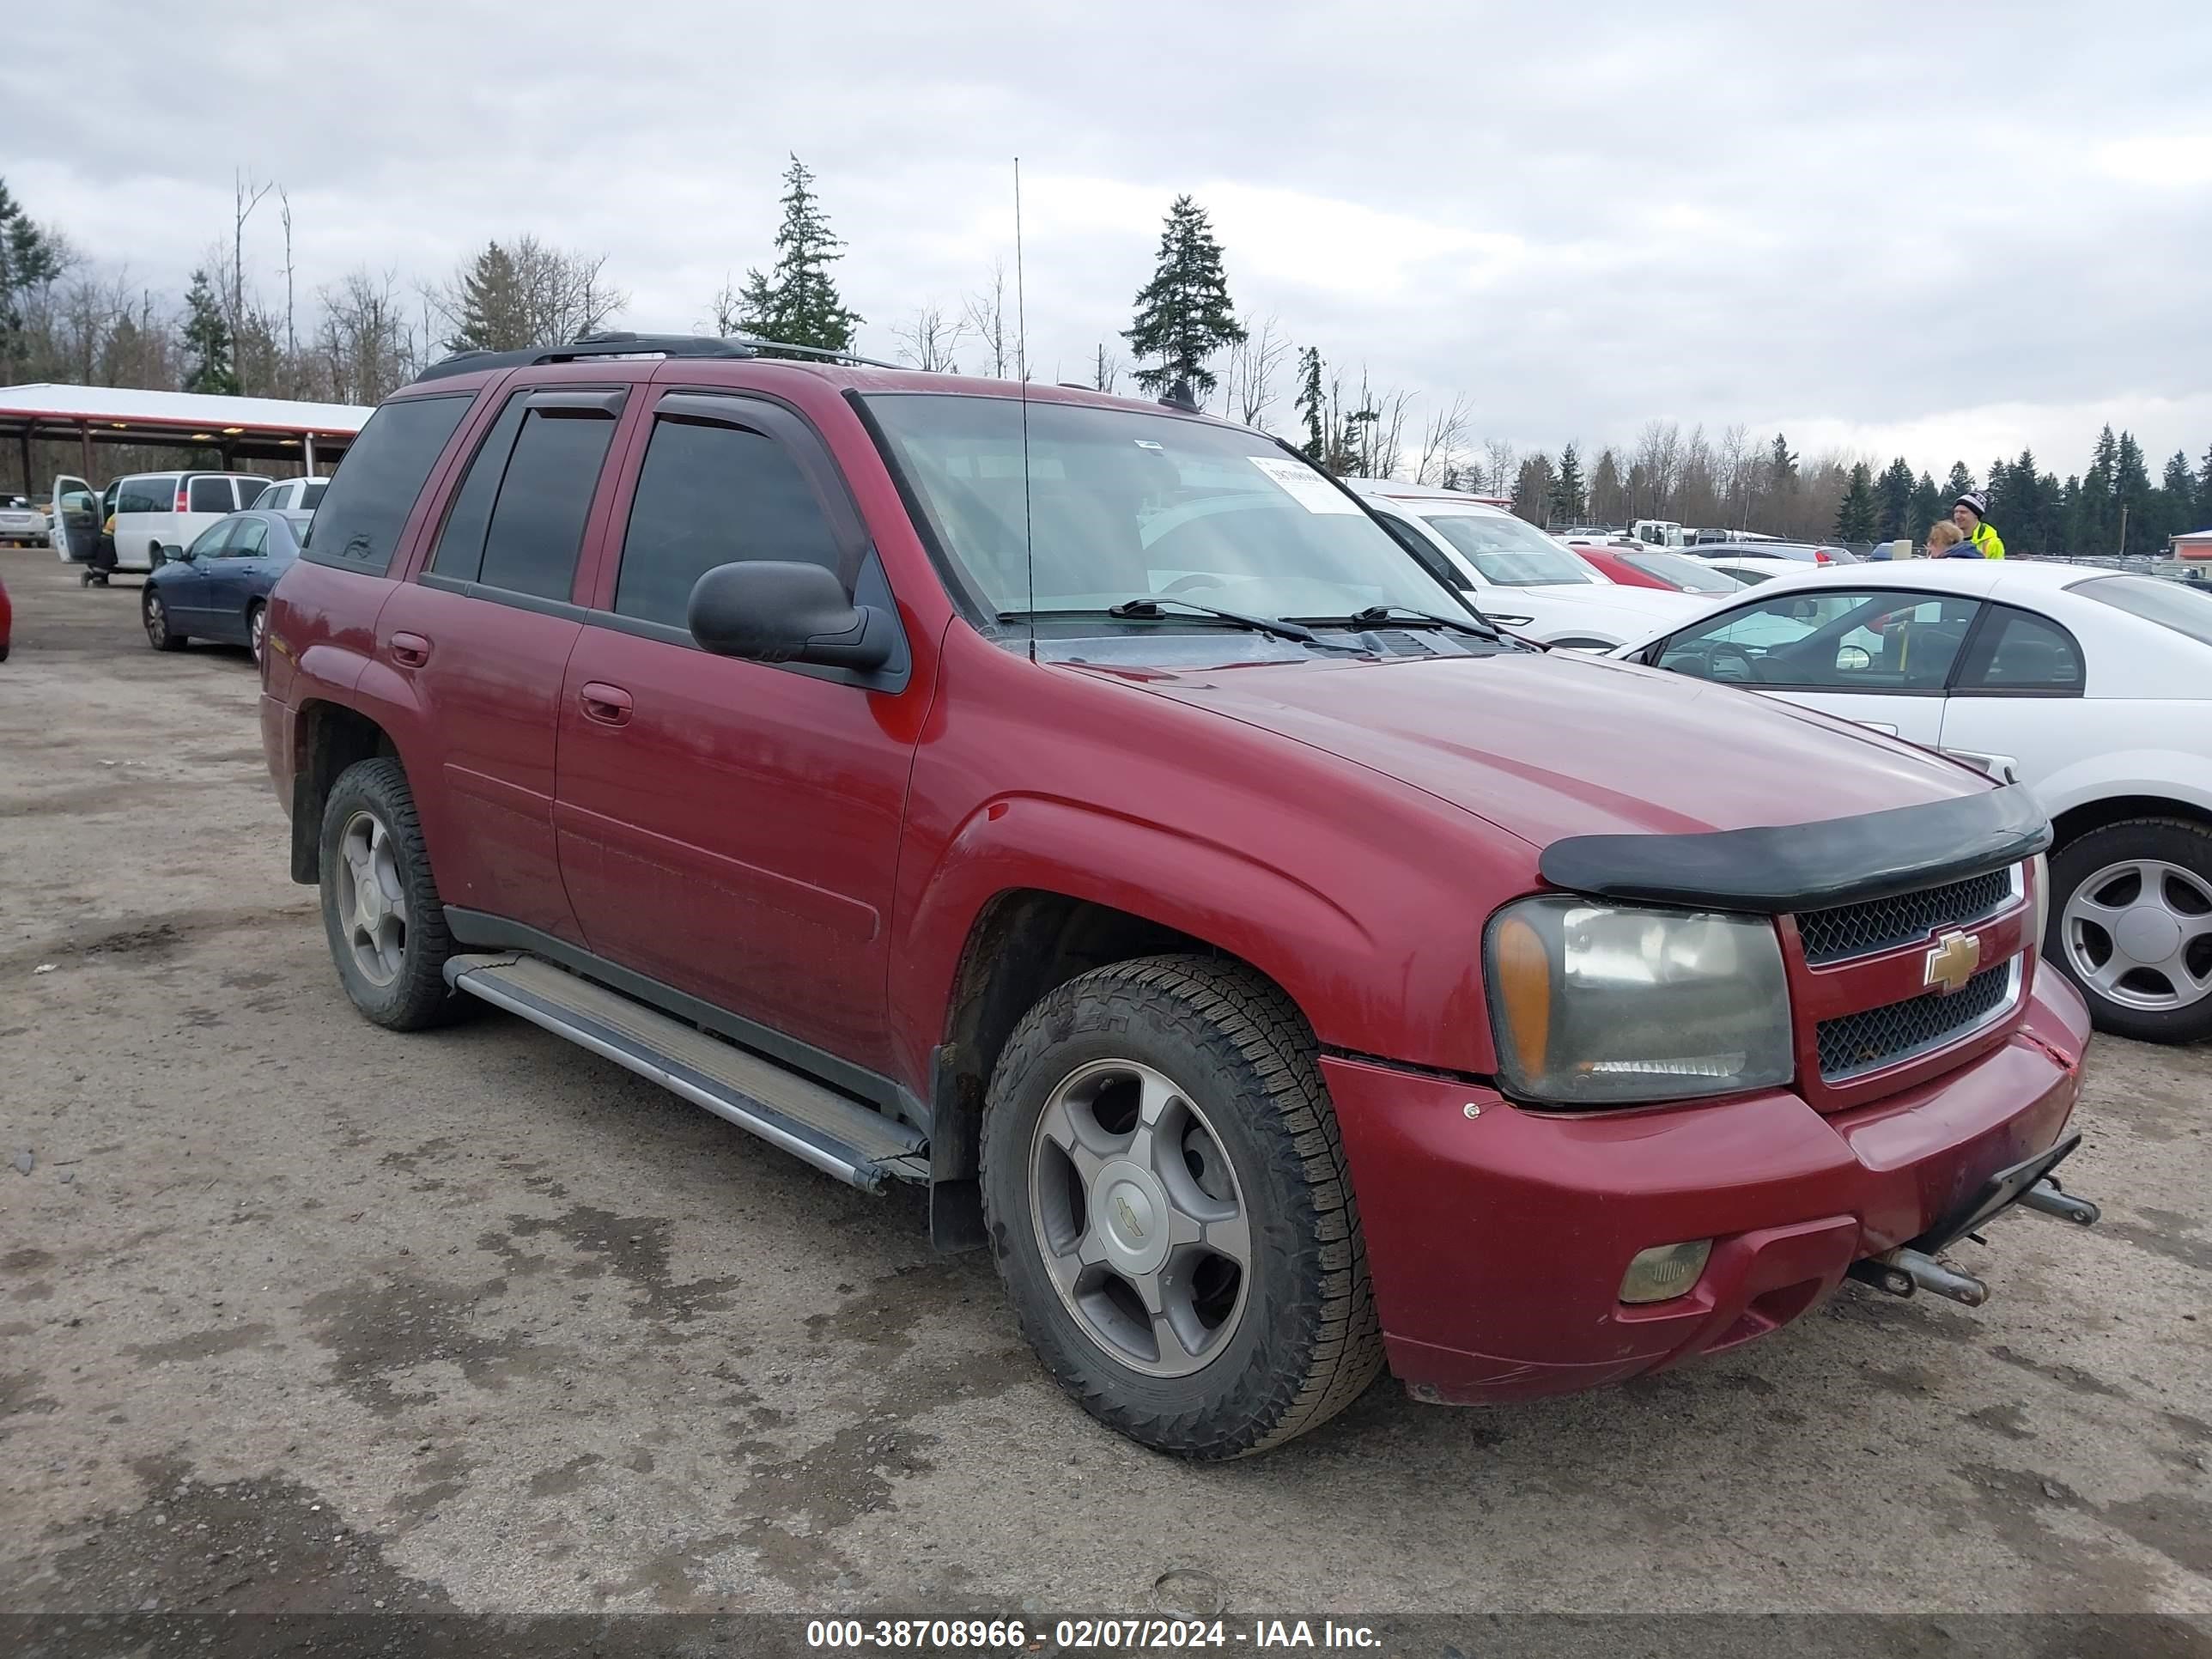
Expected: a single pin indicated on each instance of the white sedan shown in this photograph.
(1515, 575)
(2093, 687)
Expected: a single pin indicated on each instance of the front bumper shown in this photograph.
(1497, 1238)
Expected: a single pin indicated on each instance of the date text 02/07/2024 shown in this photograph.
(1083, 1634)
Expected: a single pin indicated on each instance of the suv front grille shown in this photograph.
(1852, 1043)
(1859, 930)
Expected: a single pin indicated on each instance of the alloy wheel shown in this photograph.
(2139, 933)
(157, 621)
(1140, 1217)
(371, 899)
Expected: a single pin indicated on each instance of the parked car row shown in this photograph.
(126, 527)
(217, 588)
(1087, 810)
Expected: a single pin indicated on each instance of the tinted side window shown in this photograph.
(154, 494)
(211, 496)
(249, 538)
(2019, 652)
(459, 551)
(374, 488)
(249, 487)
(537, 525)
(711, 495)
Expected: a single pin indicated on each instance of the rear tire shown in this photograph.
(381, 908)
(2120, 896)
(257, 628)
(155, 613)
(1202, 1290)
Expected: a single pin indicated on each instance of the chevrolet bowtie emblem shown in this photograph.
(1953, 962)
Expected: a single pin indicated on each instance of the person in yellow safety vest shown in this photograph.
(1966, 512)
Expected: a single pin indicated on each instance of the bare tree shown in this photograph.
(1106, 372)
(1248, 383)
(1500, 468)
(291, 331)
(983, 314)
(1442, 442)
(724, 309)
(366, 348)
(929, 337)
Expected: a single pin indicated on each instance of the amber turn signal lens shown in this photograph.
(1524, 984)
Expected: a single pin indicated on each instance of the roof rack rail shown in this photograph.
(623, 344)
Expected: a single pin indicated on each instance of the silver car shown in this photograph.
(22, 524)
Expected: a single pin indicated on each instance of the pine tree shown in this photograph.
(1183, 314)
(1311, 403)
(1781, 465)
(1926, 507)
(799, 304)
(1958, 483)
(2176, 502)
(1567, 493)
(1604, 496)
(1893, 501)
(2204, 513)
(1532, 490)
(492, 314)
(2096, 521)
(207, 341)
(2070, 539)
(28, 260)
(2131, 494)
(1854, 518)
(2017, 508)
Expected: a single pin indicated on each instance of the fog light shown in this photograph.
(1664, 1271)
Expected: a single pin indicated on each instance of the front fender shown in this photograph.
(1421, 1002)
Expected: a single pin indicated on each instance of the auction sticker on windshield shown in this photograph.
(1304, 486)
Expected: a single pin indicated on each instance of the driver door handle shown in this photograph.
(410, 650)
(609, 705)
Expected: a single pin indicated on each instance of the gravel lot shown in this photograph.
(299, 1314)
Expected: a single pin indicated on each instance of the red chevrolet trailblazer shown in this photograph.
(1084, 808)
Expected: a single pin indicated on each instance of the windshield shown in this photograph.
(1686, 574)
(2170, 604)
(1508, 550)
(1122, 504)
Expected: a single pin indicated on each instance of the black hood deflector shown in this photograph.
(1806, 866)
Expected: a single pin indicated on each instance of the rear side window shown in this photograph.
(537, 526)
(711, 495)
(2170, 604)
(374, 488)
(249, 487)
(2019, 653)
(152, 494)
(311, 495)
(212, 495)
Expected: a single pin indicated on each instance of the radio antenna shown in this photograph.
(1022, 369)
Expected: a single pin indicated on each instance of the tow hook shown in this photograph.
(1901, 1272)
(2046, 1196)
(1904, 1270)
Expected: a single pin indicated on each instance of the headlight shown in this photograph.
(1602, 1004)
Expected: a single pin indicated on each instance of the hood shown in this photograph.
(1559, 744)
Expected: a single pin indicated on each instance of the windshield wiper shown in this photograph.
(1147, 608)
(1378, 616)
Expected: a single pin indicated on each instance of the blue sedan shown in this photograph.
(218, 587)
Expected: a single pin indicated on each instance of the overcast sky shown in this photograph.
(1944, 230)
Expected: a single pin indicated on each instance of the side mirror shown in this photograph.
(773, 611)
(171, 550)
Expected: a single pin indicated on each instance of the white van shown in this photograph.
(147, 511)
(291, 496)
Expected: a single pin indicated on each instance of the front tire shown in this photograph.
(156, 616)
(380, 909)
(1165, 1192)
(2132, 925)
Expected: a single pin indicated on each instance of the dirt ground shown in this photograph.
(299, 1314)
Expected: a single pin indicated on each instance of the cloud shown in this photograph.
(1890, 226)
